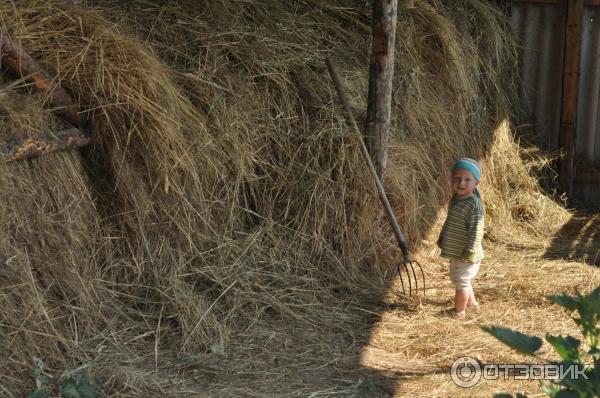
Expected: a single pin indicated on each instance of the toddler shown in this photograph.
(460, 239)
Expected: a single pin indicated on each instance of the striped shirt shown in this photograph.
(462, 232)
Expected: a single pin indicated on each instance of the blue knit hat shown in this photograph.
(468, 164)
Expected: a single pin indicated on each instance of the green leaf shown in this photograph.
(566, 347)
(39, 394)
(574, 380)
(550, 389)
(595, 294)
(41, 378)
(569, 302)
(516, 340)
(519, 395)
(81, 385)
(69, 390)
(503, 395)
(567, 394)
(594, 375)
(371, 388)
(87, 390)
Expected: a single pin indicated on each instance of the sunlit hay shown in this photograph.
(455, 106)
(514, 201)
(511, 287)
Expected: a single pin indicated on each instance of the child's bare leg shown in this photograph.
(472, 300)
(461, 299)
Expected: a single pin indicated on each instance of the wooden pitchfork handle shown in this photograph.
(380, 190)
(382, 196)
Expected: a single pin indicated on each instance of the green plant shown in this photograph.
(42, 380)
(372, 388)
(79, 384)
(568, 348)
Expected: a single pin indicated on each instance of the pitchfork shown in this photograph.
(406, 263)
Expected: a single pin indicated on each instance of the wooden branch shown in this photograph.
(42, 144)
(381, 72)
(568, 117)
(18, 62)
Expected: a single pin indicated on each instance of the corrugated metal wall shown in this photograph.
(540, 32)
(540, 29)
(588, 120)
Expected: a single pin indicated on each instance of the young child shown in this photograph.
(460, 239)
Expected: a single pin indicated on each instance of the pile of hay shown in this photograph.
(223, 190)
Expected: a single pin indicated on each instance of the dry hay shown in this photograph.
(511, 289)
(223, 197)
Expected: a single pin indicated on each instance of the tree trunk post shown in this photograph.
(381, 72)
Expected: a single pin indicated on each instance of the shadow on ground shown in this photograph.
(578, 240)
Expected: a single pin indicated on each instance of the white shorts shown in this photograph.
(461, 274)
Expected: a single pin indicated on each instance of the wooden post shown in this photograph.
(568, 116)
(18, 62)
(42, 144)
(389, 212)
(381, 72)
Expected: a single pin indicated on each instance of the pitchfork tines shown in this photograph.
(407, 263)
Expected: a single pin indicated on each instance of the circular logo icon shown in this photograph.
(465, 372)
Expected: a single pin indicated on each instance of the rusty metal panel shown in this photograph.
(539, 30)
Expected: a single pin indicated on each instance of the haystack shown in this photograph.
(223, 190)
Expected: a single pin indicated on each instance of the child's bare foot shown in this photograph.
(452, 313)
(473, 305)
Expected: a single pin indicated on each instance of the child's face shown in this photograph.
(463, 183)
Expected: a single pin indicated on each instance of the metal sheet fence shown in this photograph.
(539, 29)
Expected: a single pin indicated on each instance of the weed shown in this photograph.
(78, 384)
(568, 348)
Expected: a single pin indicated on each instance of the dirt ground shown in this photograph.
(402, 347)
